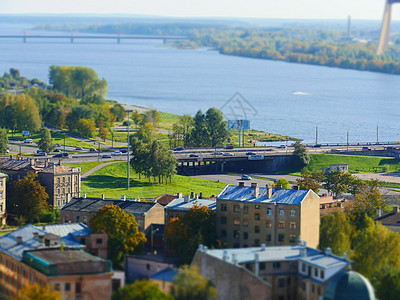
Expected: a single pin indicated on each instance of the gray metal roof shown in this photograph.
(94, 205)
(246, 194)
(168, 274)
(323, 261)
(180, 204)
(9, 245)
(63, 230)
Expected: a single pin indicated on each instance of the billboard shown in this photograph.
(26, 133)
(256, 157)
(238, 124)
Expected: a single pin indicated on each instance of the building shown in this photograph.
(250, 216)
(3, 196)
(164, 279)
(32, 255)
(337, 168)
(61, 182)
(180, 205)
(271, 273)
(328, 204)
(390, 220)
(82, 209)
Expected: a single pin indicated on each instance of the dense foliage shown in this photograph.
(3, 140)
(46, 143)
(141, 290)
(14, 81)
(37, 292)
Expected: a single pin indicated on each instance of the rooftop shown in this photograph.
(2, 175)
(392, 218)
(52, 256)
(63, 230)
(184, 205)
(246, 194)
(35, 165)
(168, 274)
(94, 205)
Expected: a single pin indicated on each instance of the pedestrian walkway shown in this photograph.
(91, 171)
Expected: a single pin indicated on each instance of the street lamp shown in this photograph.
(127, 162)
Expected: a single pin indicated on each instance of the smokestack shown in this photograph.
(395, 209)
(46, 162)
(379, 212)
(32, 161)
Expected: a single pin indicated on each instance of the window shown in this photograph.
(58, 191)
(262, 266)
(85, 219)
(246, 210)
(256, 229)
(77, 218)
(281, 282)
(236, 221)
(1, 183)
(312, 288)
(257, 217)
(147, 266)
(236, 208)
(292, 238)
(78, 288)
(269, 224)
(63, 191)
(57, 286)
(58, 180)
(319, 290)
(236, 245)
(223, 220)
(224, 207)
(67, 286)
(58, 202)
(281, 237)
(223, 233)
(245, 235)
(1, 195)
(99, 241)
(292, 213)
(63, 179)
(246, 222)
(249, 267)
(257, 207)
(315, 272)
(268, 237)
(1, 207)
(281, 212)
(303, 268)
(256, 242)
(322, 274)
(288, 281)
(281, 224)
(276, 265)
(236, 234)
(281, 297)
(292, 225)
(304, 286)
(269, 212)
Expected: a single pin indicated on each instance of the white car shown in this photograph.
(227, 154)
(116, 153)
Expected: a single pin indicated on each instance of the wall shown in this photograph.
(310, 219)
(3, 197)
(137, 268)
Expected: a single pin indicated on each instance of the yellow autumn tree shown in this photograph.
(38, 292)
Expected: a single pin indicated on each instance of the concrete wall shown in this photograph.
(137, 268)
(154, 216)
(310, 219)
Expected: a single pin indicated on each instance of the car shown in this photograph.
(78, 148)
(106, 156)
(281, 146)
(58, 155)
(116, 153)
(65, 154)
(317, 146)
(41, 153)
(124, 151)
(229, 147)
(28, 141)
(57, 150)
(58, 145)
(92, 150)
(178, 148)
(227, 154)
(246, 177)
(7, 151)
(366, 148)
(250, 153)
(218, 153)
(193, 155)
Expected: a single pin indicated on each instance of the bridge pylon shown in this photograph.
(385, 29)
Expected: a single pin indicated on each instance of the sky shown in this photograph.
(287, 9)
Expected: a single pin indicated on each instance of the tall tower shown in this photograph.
(385, 30)
(349, 27)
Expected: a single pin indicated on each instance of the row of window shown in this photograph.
(319, 273)
(67, 287)
(68, 179)
(281, 237)
(236, 209)
(304, 286)
(1, 195)
(63, 191)
(237, 221)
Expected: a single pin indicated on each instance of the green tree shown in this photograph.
(189, 284)
(46, 143)
(216, 127)
(300, 157)
(387, 283)
(86, 128)
(283, 182)
(37, 292)
(136, 118)
(310, 180)
(150, 116)
(141, 290)
(339, 182)
(336, 233)
(122, 230)
(29, 198)
(103, 132)
(3, 140)
(119, 112)
(184, 234)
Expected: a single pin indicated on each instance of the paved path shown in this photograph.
(388, 177)
(91, 171)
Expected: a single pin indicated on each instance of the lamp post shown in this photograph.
(127, 162)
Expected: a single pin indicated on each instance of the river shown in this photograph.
(285, 98)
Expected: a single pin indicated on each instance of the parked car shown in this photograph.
(106, 156)
(281, 146)
(116, 153)
(317, 146)
(58, 145)
(57, 150)
(246, 177)
(28, 141)
(178, 148)
(92, 150)
(218, 153)
(227, 154)
(78, 148)
(41, 153)
(366, 148)
(250, 153)
(65, 154)
(229, 147)
(193, 155)
(58, 155)
(124, 151)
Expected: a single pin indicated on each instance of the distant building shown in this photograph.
(336, 168)
(327, 204)
(390, 220)
(3, 197)
(82, 209)
(164, 199)
(249, 216)
(274, 273)
(61, 182)
(32, 255)
(164, 279)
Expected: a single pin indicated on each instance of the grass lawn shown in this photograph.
(86, 166)
(357, 164)
(111, 181)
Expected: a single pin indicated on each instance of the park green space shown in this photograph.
(86, 166)
(111, 181)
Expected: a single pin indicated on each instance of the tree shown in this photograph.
(300, 157)
(336, 232)
(3, 140)
(119, 112)
(103, 132)
(387, 283)
(189, 284)
(122, 230)
(339, 182)
(184, 234)
(141, 290)
(29, 198)
(283, 182)
(38, 292)
(46, 143)
(310, 180)
(136, 118)
(86, 128)
(150, 116)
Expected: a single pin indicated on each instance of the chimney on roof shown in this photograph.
(46, 162)
(196, 196)
(279, 186)
(186, 198)
(225, 256)
(303, 248)
(257, 264)
(191, 195)
(234, 259)
(44, 226)
(19, 240)
(102, 196)
(35, 234)
(296, 187)
(241, 183)
(269, 191)
(254, 185)
(60, 162)
(328, 251)
(201, 195)
(32, 161)
(123, 197)
(395, 209)
(379, 212)
(84, 196)
(179, 195)
(263, 247)
(41, 238)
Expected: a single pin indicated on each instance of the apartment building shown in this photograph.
(248, 216)
(270, 273)
(61, 182)
(3, 199)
